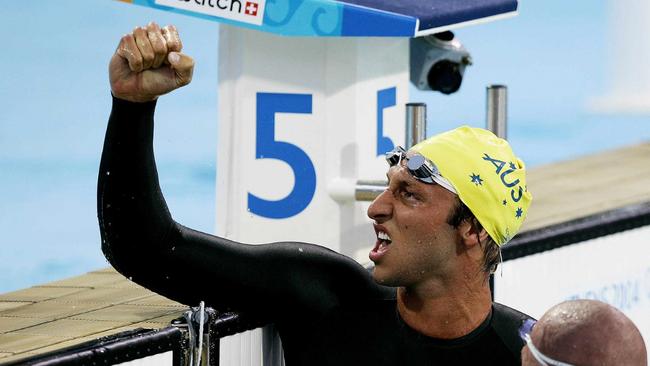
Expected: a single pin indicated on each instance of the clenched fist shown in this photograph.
(149, 63)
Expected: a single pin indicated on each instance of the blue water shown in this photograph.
(49, 219)
(54, 103)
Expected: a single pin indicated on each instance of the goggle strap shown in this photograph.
(542, 358)
(444, 183)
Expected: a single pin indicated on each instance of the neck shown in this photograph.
(445, 311)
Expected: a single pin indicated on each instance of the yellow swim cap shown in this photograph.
(487, 175)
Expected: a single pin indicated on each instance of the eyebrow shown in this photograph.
(405, 183)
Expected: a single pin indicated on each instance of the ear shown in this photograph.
(471, 234)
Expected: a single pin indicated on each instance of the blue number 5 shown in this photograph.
(268, 104)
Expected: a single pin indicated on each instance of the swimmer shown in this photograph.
(451, 201)
(583, 332)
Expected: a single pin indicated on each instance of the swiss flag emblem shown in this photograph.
(251, 8)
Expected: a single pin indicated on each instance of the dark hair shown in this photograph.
(491, 251)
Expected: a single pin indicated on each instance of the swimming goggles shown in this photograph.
(420, 167)
(524, 332)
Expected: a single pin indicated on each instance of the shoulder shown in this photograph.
(508, 315)
(314, 278)
(506, 322)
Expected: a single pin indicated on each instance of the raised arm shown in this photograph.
(142, 241)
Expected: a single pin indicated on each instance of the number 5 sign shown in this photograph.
(267, 147)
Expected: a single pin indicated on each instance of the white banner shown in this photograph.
(614, 269)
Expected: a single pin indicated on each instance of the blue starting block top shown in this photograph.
(345, 18)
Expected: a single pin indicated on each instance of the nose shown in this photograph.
(381, 209)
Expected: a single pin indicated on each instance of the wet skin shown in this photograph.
(414, 215)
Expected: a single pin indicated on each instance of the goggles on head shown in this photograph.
(524, 332)
(420, 167)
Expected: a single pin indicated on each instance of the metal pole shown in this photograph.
(497, 110)
(416, 123)
(368, 190)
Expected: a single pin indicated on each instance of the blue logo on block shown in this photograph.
(267, 147)
(385, 98)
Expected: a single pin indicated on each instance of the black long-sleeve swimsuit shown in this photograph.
(326, 307)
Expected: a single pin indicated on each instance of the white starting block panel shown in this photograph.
(290, 128)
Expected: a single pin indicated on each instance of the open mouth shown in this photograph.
(383, 239)
(381, 246)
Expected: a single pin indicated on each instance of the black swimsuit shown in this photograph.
(326, 307)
